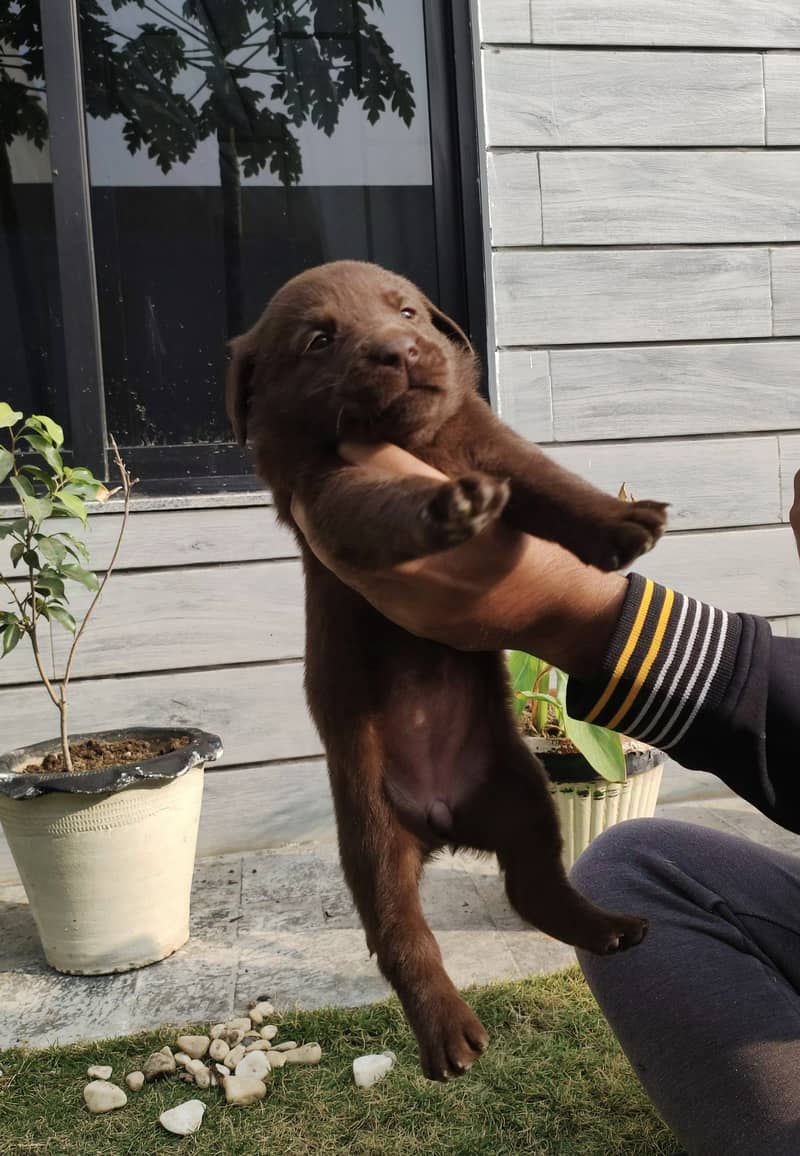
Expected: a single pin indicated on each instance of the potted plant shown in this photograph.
(597, 778)
(102, 827)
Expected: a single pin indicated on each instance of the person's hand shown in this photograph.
(794, 513)
(501, 590)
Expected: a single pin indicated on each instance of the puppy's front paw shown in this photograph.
(451, 1038)
(610, 934)
(464, 508)
(632, 529)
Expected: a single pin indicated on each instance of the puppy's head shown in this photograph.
(348, 350)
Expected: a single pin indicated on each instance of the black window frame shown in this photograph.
(220, 467)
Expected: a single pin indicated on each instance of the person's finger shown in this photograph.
(388, 458)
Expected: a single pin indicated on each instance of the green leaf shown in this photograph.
(45, 449)
(6, 463)
(53, 549)
(49, 583)
(17, 550)
(601, 748)
(64, 617)
(48, 426)
(37, 508)
(72, 505)
(40, 475)
(76, 547)
(78, 574)
(31, 560)
(24, 487)
(8, 416)
(11, 636)
(6, 528)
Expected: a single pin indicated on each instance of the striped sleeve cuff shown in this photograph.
(671, 657)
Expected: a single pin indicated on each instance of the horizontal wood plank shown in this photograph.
(790, 466)
(254, 807)
(258, 711)
(742, 570)
(541, 97)
(708, 483)
(650, 197)
(505, 21)
(782, 76)
(729, 24)
(786, 291)
(671, 390)
(184, 618)
(793, 626)
(179, 537)
(523, 383)
(515, 207)
(582, 297)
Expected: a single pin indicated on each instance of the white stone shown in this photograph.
(286, 1046)
(100, 1096)
(159, 1064)
(182, 1060)
(221, 1071)
(194, 1046)
(217, 1031)
(240, 1025)
(269, 1032)
(308, 1054)
(256, 1064)
(135, 1081)
(369, 1070)
(166, 1050)
(276, 1059)
(185, 1119)
(259, 1011)
(259, 1046)
(244, 1090)
(219, 1049)
(99, 1072)
(233, 1057)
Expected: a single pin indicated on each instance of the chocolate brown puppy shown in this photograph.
(422, 746)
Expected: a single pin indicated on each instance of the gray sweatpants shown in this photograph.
(707, 1009)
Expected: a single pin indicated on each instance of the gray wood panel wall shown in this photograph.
(643, 170)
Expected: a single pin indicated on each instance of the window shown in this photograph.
(227, 145)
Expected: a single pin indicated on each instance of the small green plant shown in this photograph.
(542, 689)
(45, 560)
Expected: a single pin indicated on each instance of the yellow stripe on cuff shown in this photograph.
(630, 646)
(647, 665)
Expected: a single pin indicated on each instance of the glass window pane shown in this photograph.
(233, 143)
(30, 302)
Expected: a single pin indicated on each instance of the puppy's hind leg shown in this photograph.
(513, 815)
(382, 863)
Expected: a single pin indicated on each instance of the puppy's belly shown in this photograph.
(437, 751)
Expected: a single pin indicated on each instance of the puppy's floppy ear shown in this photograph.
(451, 329)
(239, 386)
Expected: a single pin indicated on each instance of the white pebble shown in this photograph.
(259, 1011)
(100, 1096)
(259, 1046)
(233, 1057)
(276, 1059)
(269, 1032)
(287, 1046)
(256, 1064)
(185, 1119)
(308, 1054)
(244, 1090)
(182, 1060)
(194, 1046)
(369, 1070)
(217, 1031)
(99, 1072)
(218, 1050)
(135, 1081)
(241, 1025)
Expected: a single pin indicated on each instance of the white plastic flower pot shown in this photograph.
(106, 857)
(586, 803)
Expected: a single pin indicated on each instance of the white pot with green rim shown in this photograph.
(589, 804)
(106, 857)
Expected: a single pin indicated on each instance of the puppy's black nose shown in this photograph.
(395, 352)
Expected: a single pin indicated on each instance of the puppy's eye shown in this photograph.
(409, 312)
(319, 342)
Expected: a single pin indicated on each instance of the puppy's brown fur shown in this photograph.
(422, 746)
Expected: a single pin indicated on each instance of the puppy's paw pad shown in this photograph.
(634, 529)
(617, 933)
(464, 508)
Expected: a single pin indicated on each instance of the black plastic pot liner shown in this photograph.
(201, 748)
(575, 769)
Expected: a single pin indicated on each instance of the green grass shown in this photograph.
(554, 1083)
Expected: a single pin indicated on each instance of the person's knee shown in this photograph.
(620, 858)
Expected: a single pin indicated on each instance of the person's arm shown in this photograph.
(713, 688)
